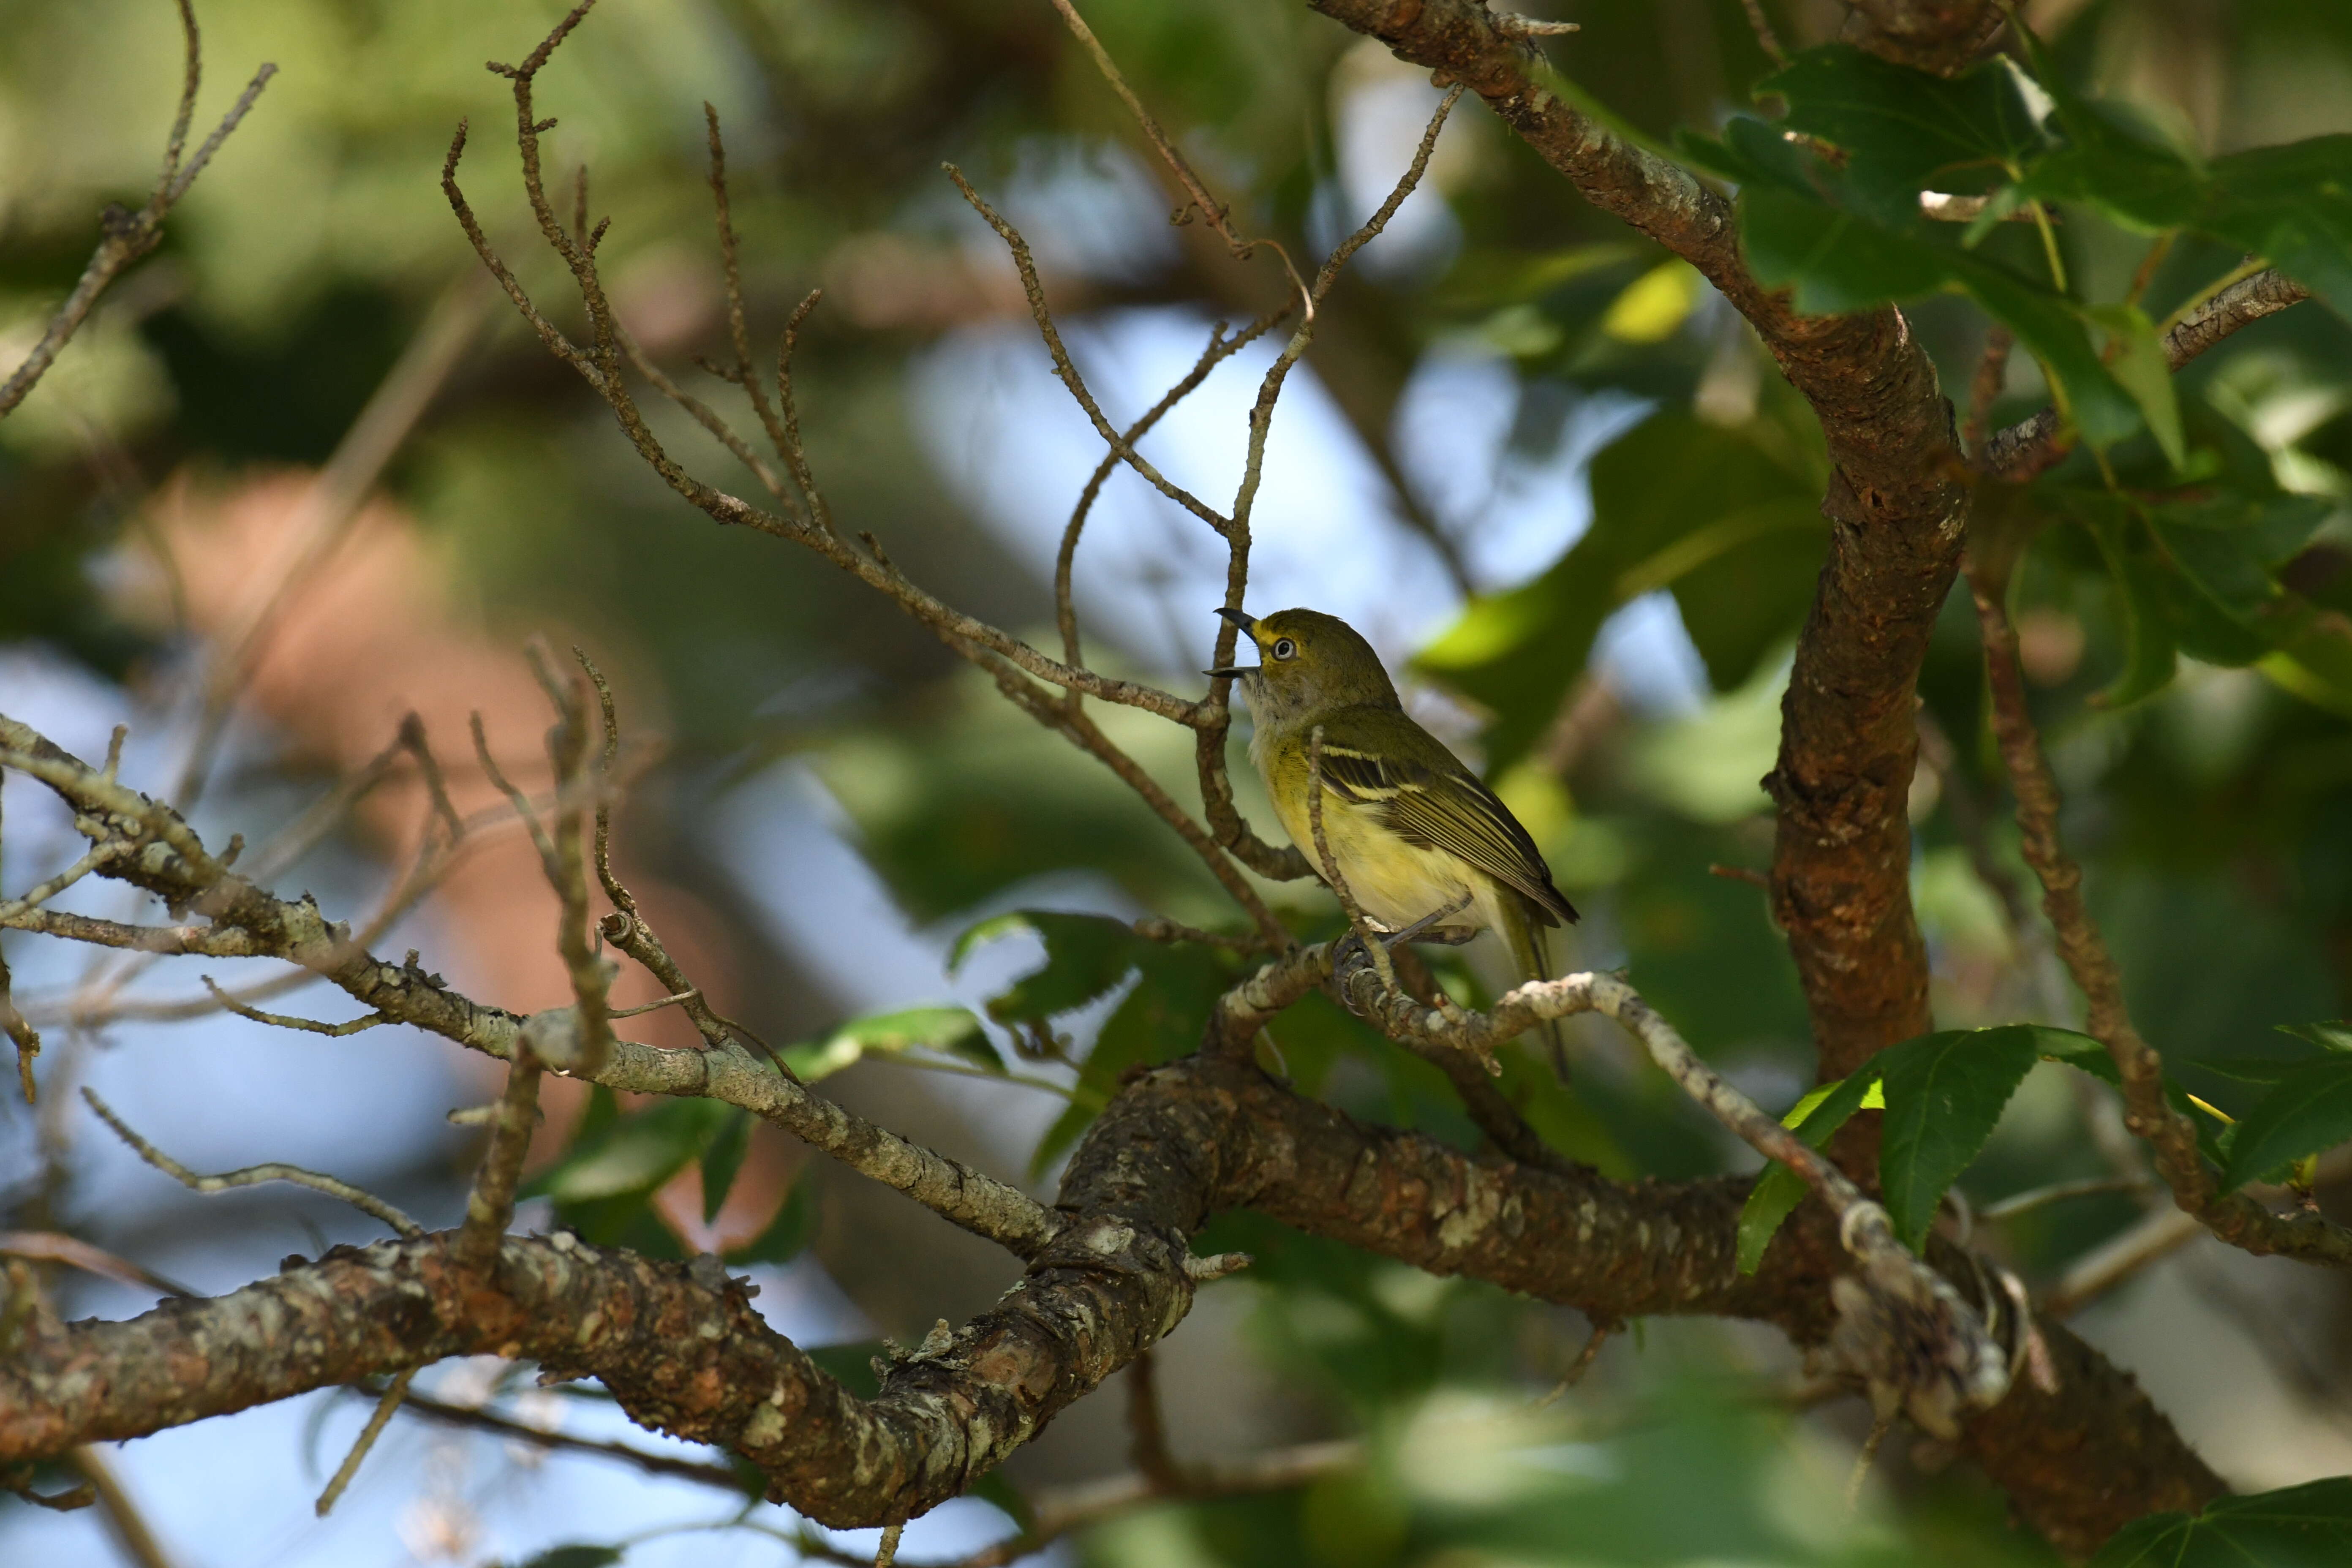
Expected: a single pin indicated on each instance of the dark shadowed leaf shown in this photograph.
(1086, 957)
(2309, 1112)
(786, 1234)
(2334, 1037)
(574, 1557)
(1905, 131)
(2309, 1526)
(722, 1160)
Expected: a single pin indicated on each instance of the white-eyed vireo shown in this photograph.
(1427, 850)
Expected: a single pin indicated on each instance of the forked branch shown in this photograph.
(130, 236)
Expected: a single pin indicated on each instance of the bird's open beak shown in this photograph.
(1232, 672)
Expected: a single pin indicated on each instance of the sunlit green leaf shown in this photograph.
(2137, 359)
(1779, 1190)
(1944, 1093)
(952, 1031)
(1734, 514)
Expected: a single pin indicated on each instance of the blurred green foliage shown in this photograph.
(2184, 585)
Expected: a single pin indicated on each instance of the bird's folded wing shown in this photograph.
(1448, 810)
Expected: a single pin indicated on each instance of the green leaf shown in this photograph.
(947, 1029)
(1838, 261)
(2334, 1037)
(2150, 660)
(2255, 1070)
(1085, 957)
(2309, 1112)
(2292, 205)
(1675, 501)
(1905, 131)
(635, 1154)
(787, 1234)
(2309, 1526)
(1944, 1093)
(1779, 1190)
(721, 1160)
(2138, 364)
(574, 1557)
(850, 1365)
(1161, 1019)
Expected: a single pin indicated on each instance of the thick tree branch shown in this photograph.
(1840, 871)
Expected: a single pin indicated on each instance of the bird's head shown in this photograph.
(1309, 664)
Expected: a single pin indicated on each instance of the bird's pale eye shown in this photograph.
(1284, 649)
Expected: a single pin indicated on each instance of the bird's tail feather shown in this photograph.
(1531, 954)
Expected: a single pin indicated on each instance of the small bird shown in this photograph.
(1428, 851)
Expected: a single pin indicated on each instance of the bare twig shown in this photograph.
(1146, 1426)
(1903, 1330)
(480, 1419)
(627, 927)
(489, 1205)
(1067, 370)
(2236, 1217)
(280, 1020)
(1221, 348)
(1766, 38)
(22, 1035)
(128, 234)
(54, 1246)
(1217, 218)
(2025, 449)
(1984, 390)
(124, 1521)
(252, 1176)
(2061, 1192)
(325, 517)
(1582, 1364)
(376, 1422)
(2158, 1235)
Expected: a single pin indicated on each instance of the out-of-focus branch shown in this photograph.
(1223, 819)
(367, 1203)
(1218, 218)
(325, 515)
(599, 364)
(54, 1246)
(2236, 1217)
(2026, 449)
(128, 234)
(247, 920)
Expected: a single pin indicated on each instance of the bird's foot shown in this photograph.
(1350, 958)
